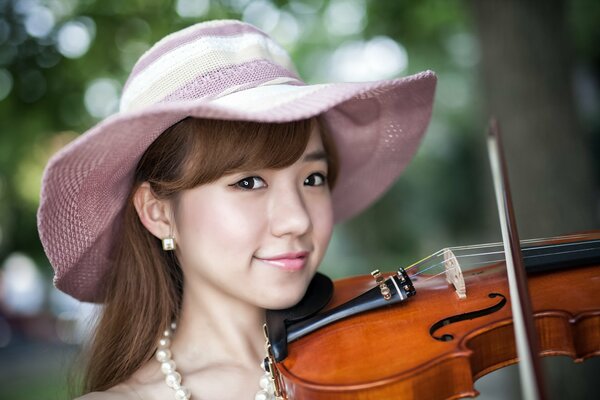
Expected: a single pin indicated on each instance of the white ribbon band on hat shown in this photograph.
(266, 97)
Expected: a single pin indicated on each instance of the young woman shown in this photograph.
(209, 198)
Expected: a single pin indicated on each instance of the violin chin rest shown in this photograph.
(317, 296)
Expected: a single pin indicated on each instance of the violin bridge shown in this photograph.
(454, 274)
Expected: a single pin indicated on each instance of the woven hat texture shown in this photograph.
(221, 70)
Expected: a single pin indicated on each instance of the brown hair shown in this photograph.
(144, 287)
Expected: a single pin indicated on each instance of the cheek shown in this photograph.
(213, 227)
(322, 217)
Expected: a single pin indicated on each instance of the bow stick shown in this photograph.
(530, 372)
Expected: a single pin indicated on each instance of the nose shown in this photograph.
(289, 214)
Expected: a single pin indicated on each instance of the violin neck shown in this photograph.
(399, 287)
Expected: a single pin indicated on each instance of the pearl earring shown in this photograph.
(168, 243)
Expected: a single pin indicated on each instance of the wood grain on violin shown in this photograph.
(435, 345)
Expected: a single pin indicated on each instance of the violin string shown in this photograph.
(436, 275)
(561, 245)
(530, 249)
(561, 252)
(438, 253)
(438, 264)
(528, 241)
(525, 256)
(490, 261)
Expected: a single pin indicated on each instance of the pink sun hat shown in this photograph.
(225, 70)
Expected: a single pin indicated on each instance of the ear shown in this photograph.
(155, 214)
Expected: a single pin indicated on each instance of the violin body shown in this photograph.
(393, 352)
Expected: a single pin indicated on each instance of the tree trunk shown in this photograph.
(526, 78)
(526, 70)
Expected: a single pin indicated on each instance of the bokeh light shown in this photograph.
(192, 8)
(287, 30)
(74, 38)
(463, 49)
(345, 17)
(237, 5)
(22, 285)
(359, 61)
(74, 319)
(263, 14)
(39, 21)
(386, 57)
(23, 7)
(62, 8)
(102, 97)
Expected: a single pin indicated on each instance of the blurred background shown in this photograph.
(533, 64)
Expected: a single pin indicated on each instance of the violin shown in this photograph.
(436, 343)
(430, 331)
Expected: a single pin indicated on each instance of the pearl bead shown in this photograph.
(163, 355)
(173, 379)
(264, 382)
(262, 395)
(167, 367)
(164, 343)
(182, 393)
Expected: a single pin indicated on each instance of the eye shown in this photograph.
(250, 183)
(316, 179)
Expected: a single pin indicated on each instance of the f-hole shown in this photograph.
(462, 317)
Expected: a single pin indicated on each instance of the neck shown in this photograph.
(215, 328)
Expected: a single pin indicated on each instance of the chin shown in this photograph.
(283, 299)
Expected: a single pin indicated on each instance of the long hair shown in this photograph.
(144, 287)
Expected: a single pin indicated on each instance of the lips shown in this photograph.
(288, 261)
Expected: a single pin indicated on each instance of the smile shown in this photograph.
(288, 261)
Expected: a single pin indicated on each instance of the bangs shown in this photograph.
(223, 147)
(199, 151)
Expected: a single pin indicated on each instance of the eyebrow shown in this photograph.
(318, 155)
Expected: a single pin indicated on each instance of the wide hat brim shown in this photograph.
(376, 127)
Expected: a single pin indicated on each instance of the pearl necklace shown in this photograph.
(173, 378)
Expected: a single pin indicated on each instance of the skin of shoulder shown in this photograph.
(108, 395)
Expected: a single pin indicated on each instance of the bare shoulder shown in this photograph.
(100, 396)
(105, 396)
(115, 393)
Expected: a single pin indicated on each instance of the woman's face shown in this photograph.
(257, 236)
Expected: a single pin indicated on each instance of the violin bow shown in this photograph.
(530, 370)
